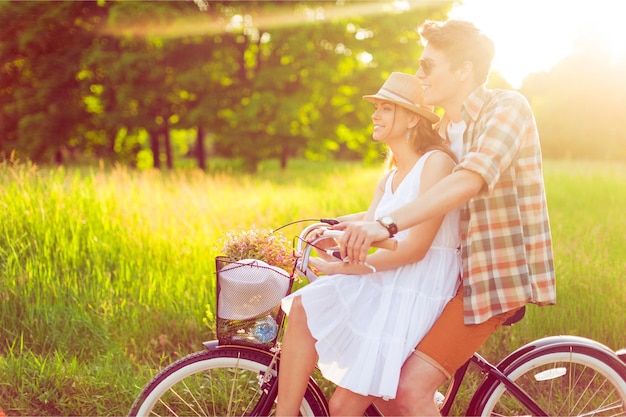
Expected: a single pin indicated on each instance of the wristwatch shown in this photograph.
(388, 223)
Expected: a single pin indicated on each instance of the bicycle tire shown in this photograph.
(564, 380)
(219, 382)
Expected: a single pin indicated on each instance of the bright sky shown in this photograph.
(533, 35)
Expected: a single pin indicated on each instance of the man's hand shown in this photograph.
(358, 237)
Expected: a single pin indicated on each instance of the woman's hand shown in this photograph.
(323, 246)
(358, 237)
(322, 266)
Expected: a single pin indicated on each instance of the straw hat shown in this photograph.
(249, 288)
(405, 90)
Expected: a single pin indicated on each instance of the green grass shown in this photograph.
(587, 203)
(106, 274)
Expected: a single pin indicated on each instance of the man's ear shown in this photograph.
(465, 70)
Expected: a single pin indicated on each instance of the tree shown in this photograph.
(144, 76)
(40, 94)
(263, 79)
(579, 104)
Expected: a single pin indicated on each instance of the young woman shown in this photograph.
(363, 320)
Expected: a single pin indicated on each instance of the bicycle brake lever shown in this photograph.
(331, 222)
(336, 254)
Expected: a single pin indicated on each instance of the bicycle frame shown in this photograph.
(495, 374)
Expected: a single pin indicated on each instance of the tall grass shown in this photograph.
(587, 202)
(106, 275)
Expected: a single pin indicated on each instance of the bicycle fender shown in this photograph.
(214, 344)
(564, 340)
(537, 348)
(211, 344)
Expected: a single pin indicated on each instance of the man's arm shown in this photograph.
(449, 193)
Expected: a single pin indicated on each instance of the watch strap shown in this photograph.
(391, 226)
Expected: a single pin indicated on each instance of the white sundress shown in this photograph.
(367, 325)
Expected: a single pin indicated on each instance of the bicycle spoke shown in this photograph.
(232, 390)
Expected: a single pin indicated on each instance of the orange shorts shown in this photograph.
(450, 342)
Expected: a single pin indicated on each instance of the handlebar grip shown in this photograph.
(390, 244)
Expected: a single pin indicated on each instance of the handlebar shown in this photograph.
(305, 247)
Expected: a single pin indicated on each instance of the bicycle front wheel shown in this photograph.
(223, 382)
(563, 381)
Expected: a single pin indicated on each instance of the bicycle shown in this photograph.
(557, 375)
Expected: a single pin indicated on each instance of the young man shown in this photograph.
(506, 244)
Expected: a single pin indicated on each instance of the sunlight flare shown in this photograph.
(533, 35)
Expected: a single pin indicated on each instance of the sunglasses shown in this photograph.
(427, 66)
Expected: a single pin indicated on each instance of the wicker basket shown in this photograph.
(248, 301)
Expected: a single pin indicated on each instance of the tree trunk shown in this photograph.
(284, 156)
(169, 157)
(58, 157)
(200, 150)
(156, 148)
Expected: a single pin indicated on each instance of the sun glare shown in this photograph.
(530, 35)
(533, 35)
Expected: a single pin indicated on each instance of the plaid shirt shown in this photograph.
(505, 232)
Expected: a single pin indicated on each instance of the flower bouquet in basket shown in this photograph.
(252, 278)
(264, 245)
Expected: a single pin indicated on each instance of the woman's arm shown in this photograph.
(449, 193)
(414, 247)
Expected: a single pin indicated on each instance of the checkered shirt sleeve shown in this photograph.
(506, 240)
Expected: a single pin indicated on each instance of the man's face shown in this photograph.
(440, 81)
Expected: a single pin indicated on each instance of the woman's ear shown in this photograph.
(413, 121)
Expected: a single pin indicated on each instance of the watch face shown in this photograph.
(390, 224)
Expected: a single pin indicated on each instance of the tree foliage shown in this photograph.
(41, 49)
(580, 104)
(252, 80)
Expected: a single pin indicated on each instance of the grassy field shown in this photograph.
(106, 275)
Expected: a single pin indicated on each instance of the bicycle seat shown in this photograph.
(519, 314)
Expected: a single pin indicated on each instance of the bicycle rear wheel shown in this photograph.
(220, 382)
(564, 381)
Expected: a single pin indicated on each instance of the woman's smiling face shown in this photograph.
(389, 120)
